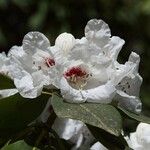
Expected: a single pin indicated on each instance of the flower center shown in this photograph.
(77, 77)
(49, 62)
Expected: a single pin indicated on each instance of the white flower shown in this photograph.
(85, 70)
(140, 140)
(129, 87)
(4, 69)
(31, 64)
(74, 131)
(77, 133)
(98, 146)
(4, 63)
(88, 67)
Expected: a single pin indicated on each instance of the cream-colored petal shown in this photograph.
(65, 42)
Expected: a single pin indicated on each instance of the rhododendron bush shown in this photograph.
(70, 95)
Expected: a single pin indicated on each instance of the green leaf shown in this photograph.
(6, 82)
(99, 115)
(102, 136)
(139, 118)
(19, 145)
(17, 112)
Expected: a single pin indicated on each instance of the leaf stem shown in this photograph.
(51, 119)
(45, 131)
(47, 93)
(42, 134)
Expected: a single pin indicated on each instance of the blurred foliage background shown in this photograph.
(129, 19)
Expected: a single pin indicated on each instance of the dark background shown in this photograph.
(129, 19)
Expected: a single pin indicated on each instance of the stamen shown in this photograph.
(49, 62)
(77, 71)
(77, 76)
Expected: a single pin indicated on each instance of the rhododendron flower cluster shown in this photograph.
(77, 71)
(84, 70)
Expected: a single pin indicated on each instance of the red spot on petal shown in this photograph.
(75, 71)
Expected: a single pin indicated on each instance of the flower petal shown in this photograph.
(7, 92)
(67, 128)
(97, 31)
(34, 41)
(74, 131)
(100, 94)
(84, 52)
(98, 146)
(115, 45)
(18, 57)
(26, 88)
(131, 103)
(134, 143)
(140, 140)
(17, 52)
(65, 42)
(135, 58)
(4, 63)
(28, 85)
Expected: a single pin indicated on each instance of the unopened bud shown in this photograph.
(65, 42)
